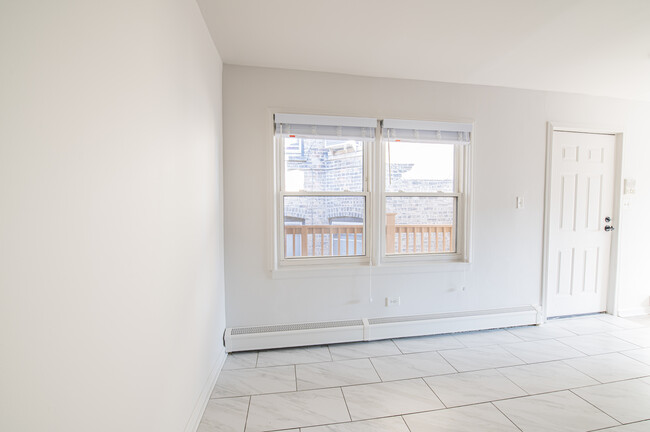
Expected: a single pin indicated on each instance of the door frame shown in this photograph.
(613, 287)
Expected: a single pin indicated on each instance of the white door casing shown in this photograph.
(581, 197)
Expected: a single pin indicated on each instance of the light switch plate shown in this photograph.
(629, 186)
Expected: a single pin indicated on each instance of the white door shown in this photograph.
(581, 210)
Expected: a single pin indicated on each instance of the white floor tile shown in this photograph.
(544, 331)
(582, 326)
(641, 319)
(643, 426)
(542, 351)
(623, 323)
(427, 343)
(418, 377)
(389, 424)
(225, 415)
(243, 360)
(610, 367)
(475, 418)
(642, 355)
(296, 409)
(640, 337)
(390, 398)
(547, 377)
(469, 359)
(255, 381)
(363, 350)
(557, 412)
(473, 387)
(486, 337)
(335, 374)
(411, 366)
(626, 401)
(597, 344)
(290, 356)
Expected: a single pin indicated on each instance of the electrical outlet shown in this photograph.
(393, 301)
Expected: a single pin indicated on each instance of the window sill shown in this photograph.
(385, 268)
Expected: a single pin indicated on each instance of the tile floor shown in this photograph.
(575, 375)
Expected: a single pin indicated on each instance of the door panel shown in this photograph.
(582, 195)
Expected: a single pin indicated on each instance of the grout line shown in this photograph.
(506, 377)
(398, 348)
(450, 374)
(434, 392)
(584, 373)
(619, 423)
(624, 424)
(248, 409)
(345, 401)
(404, 420)
(449, 363)
(504, 414)
(295, 375)
(376, 371)
(330, 353)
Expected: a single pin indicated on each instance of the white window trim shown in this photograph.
(375, 218)
(280, 194)
(462, 160)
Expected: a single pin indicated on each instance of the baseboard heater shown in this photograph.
(368, 329)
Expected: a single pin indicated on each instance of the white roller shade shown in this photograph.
(423, 131)
(325, 126)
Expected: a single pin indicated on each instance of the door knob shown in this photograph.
(609, 228)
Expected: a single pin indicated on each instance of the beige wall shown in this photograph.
(111, 250)
(509, 160)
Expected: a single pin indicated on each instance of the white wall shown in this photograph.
(509, 161)
(111, 247)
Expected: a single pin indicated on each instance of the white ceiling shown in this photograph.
(597, 47)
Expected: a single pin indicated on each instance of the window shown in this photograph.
(324, 201)
(424, 188)
(323, 183)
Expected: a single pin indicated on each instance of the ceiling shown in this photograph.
(596, 47)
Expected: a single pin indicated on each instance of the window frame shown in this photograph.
(374, 193)
(281, 193)
(461, 193)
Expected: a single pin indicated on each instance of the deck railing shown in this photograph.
(342, 240)
(411, 239)
(323, 240)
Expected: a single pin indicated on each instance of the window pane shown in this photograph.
(331, 226)
(323, 165)
(419, 167)
(417, 225)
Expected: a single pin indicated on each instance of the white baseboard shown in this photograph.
(364, 329)
(643, 310)
(387, 328)
(204, 398)
(293, 335)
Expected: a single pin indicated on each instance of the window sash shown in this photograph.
(329, 234)
(282, 193)
(416, 229)
(461, 164)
